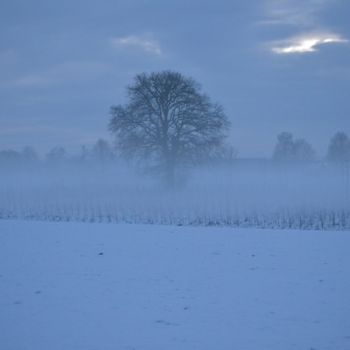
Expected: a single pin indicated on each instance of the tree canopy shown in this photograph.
(339, 148)
(168, 121)
(288, 149)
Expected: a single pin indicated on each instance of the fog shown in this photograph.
(260, 193)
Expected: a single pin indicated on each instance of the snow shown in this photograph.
(106, 287)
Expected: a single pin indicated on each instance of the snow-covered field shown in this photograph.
(77, 286)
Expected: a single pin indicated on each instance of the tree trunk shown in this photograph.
(169, 173)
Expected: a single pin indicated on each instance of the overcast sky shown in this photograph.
(274, 65)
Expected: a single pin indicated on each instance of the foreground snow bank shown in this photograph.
(87, 286)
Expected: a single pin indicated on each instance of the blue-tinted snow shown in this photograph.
(106, 287)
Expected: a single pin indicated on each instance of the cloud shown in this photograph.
(305, 44)
(304, 15)
(300, 13)
(144, 43)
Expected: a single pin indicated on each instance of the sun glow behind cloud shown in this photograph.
(305, 44)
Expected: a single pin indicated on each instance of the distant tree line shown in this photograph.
(102, 152)
(339, 148)
(288, 149)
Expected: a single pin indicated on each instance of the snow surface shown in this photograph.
(101, 286)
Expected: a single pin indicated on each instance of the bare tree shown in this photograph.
(339, 154)
(339, 148)
(56, 155)
(225, 153)
(303, 151)
(287, 149)
(168, 121)
(10, 157)
(284, 149)
(102, 151)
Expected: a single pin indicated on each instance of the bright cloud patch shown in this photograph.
(305, 44)
(146, 44)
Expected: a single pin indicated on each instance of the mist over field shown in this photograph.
(241, 193)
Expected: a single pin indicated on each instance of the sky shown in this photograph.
(274, 65)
